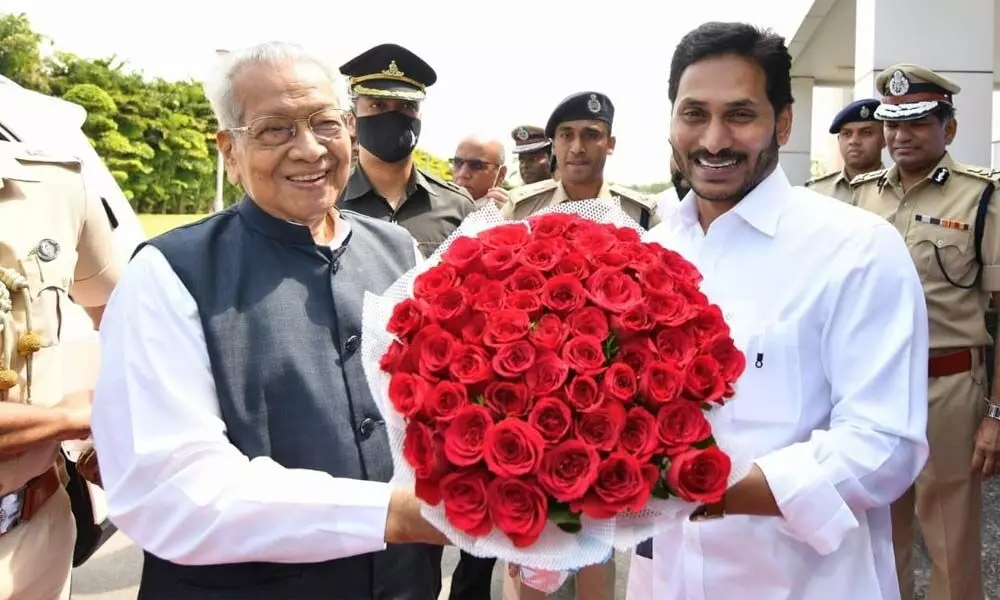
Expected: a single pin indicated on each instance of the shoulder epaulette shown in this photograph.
(869, 176)
(983, 173)
(638, 197)
(523, 192)
(823, 177)
(29, 154)
(449, 185)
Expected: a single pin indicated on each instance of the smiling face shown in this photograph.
(918, 145)
(299, 178)
(724, 132)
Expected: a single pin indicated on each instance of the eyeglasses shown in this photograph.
(474, 163)
(326, 124)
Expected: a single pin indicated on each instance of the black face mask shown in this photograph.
(390, 136)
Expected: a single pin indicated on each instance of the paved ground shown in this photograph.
(113, 573)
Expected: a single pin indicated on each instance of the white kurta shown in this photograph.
(824, 300)
(175, 485)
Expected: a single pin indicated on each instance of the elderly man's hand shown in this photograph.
(498, 195)
(405, 525)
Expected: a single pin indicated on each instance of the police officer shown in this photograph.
(56, 245)
(387, 83)
(943, 210)
(580, 128)
(861, 141)
(533, 152)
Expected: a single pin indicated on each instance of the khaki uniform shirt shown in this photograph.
(936, 218)
(835, 184)
(529, 199)
(431, 211)
(55, 234)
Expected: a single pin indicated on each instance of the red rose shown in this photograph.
(551, 225)
(700, 475)
(691, 293)
(568, 470)
(510, 235)
(525, 279)
(433, 281)
(437, 348)
(513, 359)
(390, 360)
(591, 239)
(499, 262)
(612, 259)
(679, 268)
(622, 483)
(445, 400)
(670, 308)
(529, 302)
(661, 383)
(589, 321)
(505, 326)
(676, 346)
(507, 399)
(707, 324)
(519, 509)
(703, 382)
(463, 440)
(575, 264)
(407, 318)
(731, 361)
(465, 505)
(448, 308)
(680, 424)
(472, 330)
(656, 278)
(470, 365)
(474, 282)
(551, 418)
(638, 436)
(584, 354)
(636, 353)
(627, 234)
(549, 333)
(512, 448)
(425, 453)
(543, 254)
(463, 254)
(491, 297)
(633, 321)
(583, 393)
(547, 374)
(407, 393)
(620, 383)
(613, 290)
(602, 426)
(563, 294)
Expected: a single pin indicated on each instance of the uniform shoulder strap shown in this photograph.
(524, 192)
(823, 177)
(869, 176)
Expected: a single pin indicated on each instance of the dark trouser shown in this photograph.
(472, 579)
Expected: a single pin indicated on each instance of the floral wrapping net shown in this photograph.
(555, 549)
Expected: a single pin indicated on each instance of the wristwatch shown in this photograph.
(710, 512)
(993, 411)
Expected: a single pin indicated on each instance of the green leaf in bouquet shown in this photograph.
(480, 400)
(564, 518)
(611, 347)
(661, 489)
(705, 443)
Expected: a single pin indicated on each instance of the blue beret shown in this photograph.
(579, 107)
(855, 112)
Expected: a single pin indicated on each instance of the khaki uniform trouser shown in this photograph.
(946, 499)
(596, 582)
(36, 557)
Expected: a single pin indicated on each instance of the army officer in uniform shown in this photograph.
(943, 210)
(580, 128)
(387, 84)
(533, 152)
(859, 136)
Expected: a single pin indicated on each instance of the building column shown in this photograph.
(796, 156)
(902, 31)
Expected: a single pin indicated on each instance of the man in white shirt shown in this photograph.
(827, 306)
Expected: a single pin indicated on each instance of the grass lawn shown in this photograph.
(157, 224)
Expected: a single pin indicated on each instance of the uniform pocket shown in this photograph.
(942, 251)
(769, 391)
(48, 287)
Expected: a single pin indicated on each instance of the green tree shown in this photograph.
(20, 52)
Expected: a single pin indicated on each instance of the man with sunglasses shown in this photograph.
(479, 166)
(387, 84)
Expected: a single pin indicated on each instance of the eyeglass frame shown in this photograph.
(344, 113)
(469, 161)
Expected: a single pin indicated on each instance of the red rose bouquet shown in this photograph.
(549, 383)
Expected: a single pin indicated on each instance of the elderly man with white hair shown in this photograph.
(238, 441)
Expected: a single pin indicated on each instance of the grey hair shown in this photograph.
(228, 108)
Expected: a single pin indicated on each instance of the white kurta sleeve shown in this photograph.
(874, 352)
(175, 484)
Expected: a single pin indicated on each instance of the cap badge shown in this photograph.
(522, 134)
(47, 250)
(865, 113)
(899, 84)
(594, 105)
(393, 70)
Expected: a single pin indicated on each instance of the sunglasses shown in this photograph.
(474, 164)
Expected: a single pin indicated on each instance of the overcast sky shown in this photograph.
(499, 65)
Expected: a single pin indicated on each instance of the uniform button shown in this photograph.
(940, 243)
(353, 343)
(366, 428)
(906, 205)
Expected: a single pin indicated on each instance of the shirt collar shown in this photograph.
(561, 196)
(760, 209)
(358, 184)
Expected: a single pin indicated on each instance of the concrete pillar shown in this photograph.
(895, 31)
(796, 155)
